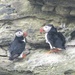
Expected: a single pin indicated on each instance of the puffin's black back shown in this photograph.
(62, 38)
(17, 47)
(56, 38)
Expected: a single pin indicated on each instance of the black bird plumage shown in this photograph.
(56, 39)
(17, 47)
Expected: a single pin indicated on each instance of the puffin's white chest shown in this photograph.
(48, 41)
(24, 40)
(46, 38)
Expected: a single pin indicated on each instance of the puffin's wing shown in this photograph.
(17, 47)
(61, 36)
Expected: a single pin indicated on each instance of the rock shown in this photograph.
(36, 2)
(9, 16)
(9, 10)
(54, 2)
(66, 3)
(6, 11)
(5, 41)
(72, 35)
(2, 5)
(47, 8)
(17, 5)
(39, 62)
(5, 72)
(56, 24)
(2, 52)
(5, 31)
(72, 13)
(39, 2)
(32, 1)
(69, 72)
(62, 11)
(22, 6)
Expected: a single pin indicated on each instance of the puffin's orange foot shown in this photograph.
(24, 56)
(51, 51)
(56, 50)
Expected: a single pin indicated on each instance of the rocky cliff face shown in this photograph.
(30, 16)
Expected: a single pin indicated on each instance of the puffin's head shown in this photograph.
(46, 28)
(20, 33)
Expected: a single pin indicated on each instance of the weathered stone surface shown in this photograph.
(62, 10)
(2, 52)
(39, 62)
(22, 6)
(72, 12)
(29, 5)
(17, 5)
(47, 8)
(67, 3)
(7, 10)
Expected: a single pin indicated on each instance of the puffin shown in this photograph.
(17, 46)
(55, 39)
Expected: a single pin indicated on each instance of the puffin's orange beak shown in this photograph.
(41, 30)
(24, 34)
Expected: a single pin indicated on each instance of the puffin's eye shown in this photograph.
(19, 32)
(45, 27)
